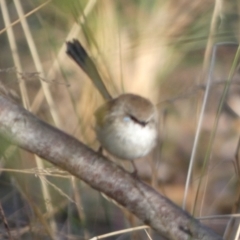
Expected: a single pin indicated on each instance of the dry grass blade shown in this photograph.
(38, 64)
(15, 54)
(60, 58)
(120, 232)
(26, 15)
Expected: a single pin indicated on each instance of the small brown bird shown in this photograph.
(126, 126)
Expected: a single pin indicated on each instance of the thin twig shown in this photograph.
(2, 215)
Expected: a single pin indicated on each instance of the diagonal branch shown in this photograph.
(64, 151)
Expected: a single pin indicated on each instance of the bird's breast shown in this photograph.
(127, 140)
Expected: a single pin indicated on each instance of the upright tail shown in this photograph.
(76, 51)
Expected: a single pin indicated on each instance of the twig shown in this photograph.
(2, 215)
(155, 210)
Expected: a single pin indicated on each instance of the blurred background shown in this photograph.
(162, 50)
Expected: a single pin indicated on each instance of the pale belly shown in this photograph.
(129, 142)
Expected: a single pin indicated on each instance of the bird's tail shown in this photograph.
(76, 51)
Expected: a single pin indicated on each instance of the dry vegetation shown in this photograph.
(159, 49)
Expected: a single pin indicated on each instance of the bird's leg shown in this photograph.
(135, 171)
(100, 150)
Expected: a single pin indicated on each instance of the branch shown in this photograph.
(66, 152)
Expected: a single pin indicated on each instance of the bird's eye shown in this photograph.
(142, 123)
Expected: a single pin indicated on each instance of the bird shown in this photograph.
(126, 126)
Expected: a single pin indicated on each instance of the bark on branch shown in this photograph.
(66, 152)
